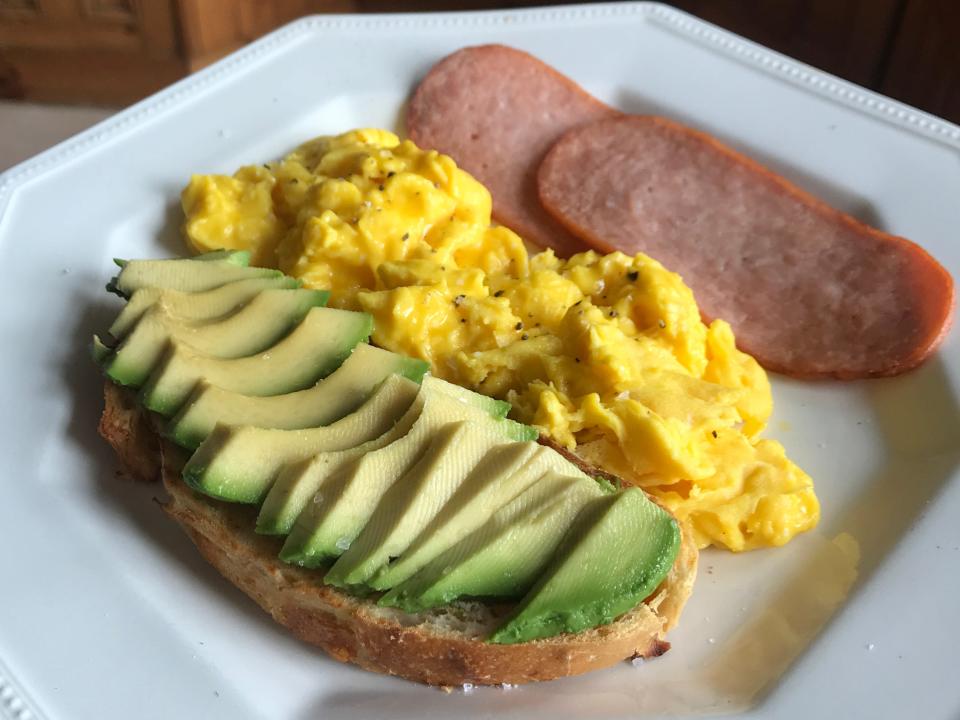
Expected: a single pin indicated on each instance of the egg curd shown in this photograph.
(606, 354)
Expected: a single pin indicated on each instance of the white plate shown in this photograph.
(106, 610)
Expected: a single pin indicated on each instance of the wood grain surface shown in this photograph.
(117, 51)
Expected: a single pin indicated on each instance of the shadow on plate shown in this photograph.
(818, 186)
(170, 235)
(400, 121)
(733, 676)
(918, 417)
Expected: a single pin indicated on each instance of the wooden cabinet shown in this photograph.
(907, 49)
(923, 67)
(846, 37)
(116, 51)
(113, 52)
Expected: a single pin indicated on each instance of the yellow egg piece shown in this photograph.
(606, 354)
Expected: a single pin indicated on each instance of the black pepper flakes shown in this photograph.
(524, 337)
(458, 299)
(518, 326)
(382, 188)
(498, 293)
(266, 166)
(614, 313)
(294, 181)
(577, 359)
(714, 433)
(633, 275)
(391, 174)
(463, 320)
(406, 236)
(577, 302)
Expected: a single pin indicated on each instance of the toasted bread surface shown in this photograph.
(442, 647)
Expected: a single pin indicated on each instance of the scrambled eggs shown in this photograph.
(606, 354)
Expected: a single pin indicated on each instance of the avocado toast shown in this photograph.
(458, 459)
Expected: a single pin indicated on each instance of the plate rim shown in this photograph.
(15, 702)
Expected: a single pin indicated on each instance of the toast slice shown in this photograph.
(444, 646)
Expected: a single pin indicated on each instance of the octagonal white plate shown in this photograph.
(107, 611)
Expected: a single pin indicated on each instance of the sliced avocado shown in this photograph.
(314, 349)
(296, 484)
(330, 399)
(504, 556)
(240, 463)
(195, 306)
(256, 326)
(237, 257)
(493, 407)
(497, 409)
(185, 274)
(503, 474)
(409, 505)
(513, 430)
(99, 350)
(343, 503)
(614, 556)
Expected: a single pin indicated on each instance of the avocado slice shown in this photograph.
(504, 556)
(99, 350)
(296, 484)
(256, 326)
(195, 306)
(614, 556)
(237, 257)
(409, 505)
(240, 463)
(493, 407)
(496, 409)
(314, 349)
(345, 501)
(502, 475)
(330, 399)
(185, 274)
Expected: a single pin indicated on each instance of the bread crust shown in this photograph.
(425, 648)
